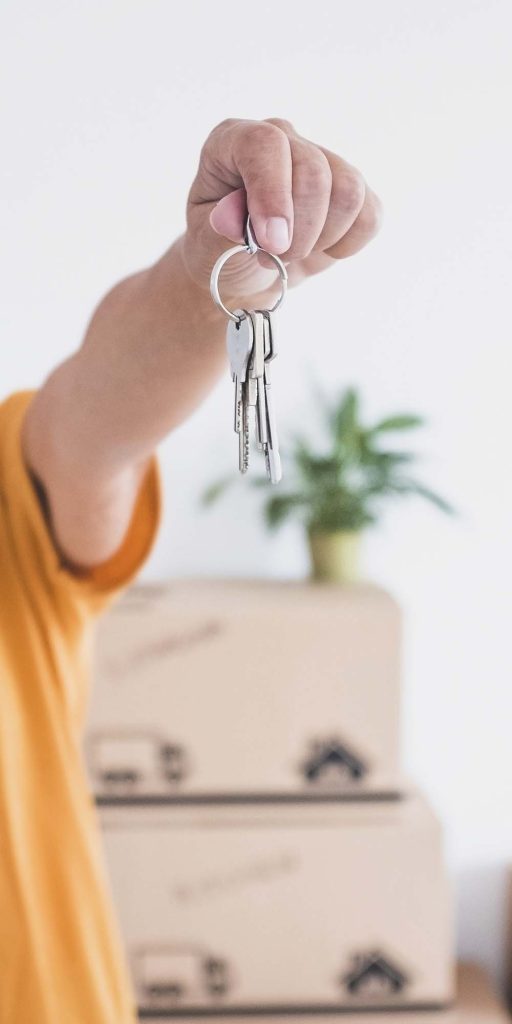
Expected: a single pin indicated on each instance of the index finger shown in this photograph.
(257, 155)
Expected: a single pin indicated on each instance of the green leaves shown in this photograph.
(342, 485)
(345, 418)
(216, 490)
(413, 487)
(279, 507)
(405, 421)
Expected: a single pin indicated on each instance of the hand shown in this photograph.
(86, 440)
(306, 204)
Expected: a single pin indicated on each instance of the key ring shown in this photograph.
(250, 246)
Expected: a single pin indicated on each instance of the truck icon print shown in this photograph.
(127, 763)
(373, 976)
(331, 761)
(170, 976)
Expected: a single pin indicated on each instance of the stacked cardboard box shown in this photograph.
(265, 855)
(476, 1003)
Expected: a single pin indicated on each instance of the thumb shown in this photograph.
(257, 153)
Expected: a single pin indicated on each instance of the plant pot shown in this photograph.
(335, 556)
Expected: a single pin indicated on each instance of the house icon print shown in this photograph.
(331, 759)
(373, 974)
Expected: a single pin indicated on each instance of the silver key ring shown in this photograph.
(250, 246)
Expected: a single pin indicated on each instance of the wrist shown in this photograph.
(173, 272)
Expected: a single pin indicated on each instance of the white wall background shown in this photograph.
(105, 106)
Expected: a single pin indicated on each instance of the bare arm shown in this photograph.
(155, 345)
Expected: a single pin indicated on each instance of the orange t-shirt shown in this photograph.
(61, 960)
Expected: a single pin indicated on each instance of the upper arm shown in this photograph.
(38, 565)
(87, 512)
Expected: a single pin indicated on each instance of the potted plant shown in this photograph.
(337, 490)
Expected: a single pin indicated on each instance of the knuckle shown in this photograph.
(281, 123)
(214, 140)
(227, 123)
(316, 174)
(370, 216)
(350, 190)
(262, 135)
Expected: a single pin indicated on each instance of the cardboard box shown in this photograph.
(477, 1000)
(240, 909)
(508, 936)
(476, 1003)
(207, 691)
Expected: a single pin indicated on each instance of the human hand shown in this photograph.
(307, 205)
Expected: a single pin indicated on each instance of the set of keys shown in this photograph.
(251, 347)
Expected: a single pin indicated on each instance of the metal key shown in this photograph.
(251, 345)
(239, 343)
(252, 380)
(249, 361)
(243, 433)
(272, 337)
(272, 456)
(266, 420)
(256, 373)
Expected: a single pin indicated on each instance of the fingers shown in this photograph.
(302, 198)
(334, 209)
(311, 191)
(363, 229)
(353, 214)
(348, 196)
(257, 155)
(355, 211)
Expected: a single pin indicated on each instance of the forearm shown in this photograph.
(155, 345)
(152, 351)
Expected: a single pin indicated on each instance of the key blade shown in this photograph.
(273, 439)
(274, 465)
(257, 426)
(238, 406)
(252, 391)
(262, 413)
(243, 436)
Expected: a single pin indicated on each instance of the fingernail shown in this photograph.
(277, 235)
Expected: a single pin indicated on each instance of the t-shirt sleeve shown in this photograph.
(29, 537)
